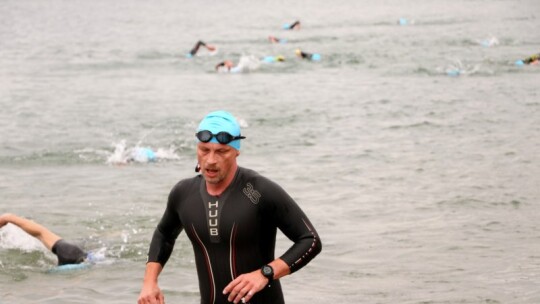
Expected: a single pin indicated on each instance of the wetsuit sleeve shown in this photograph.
(166, 232)
(293, 222)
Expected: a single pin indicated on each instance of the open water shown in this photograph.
(423, 182)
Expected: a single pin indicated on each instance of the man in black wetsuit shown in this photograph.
(231, 215)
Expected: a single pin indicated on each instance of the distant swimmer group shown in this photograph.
(249, 63)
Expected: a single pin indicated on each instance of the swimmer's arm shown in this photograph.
(150, 291)
(34, 229)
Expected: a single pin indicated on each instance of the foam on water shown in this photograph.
(13, 237)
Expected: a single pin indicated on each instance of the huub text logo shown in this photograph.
(251, 193)
(213, 218)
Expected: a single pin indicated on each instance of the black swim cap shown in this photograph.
(68, 253)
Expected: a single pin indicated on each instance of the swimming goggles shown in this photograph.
(222, 137)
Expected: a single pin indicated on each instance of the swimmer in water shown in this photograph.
(274, 39)
(531, 60)
(66, 252)
(224, 66)
(197, 46)
(272, 59)
(294, 26)
(308, 56)
(245, 64)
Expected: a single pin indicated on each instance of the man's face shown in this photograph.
(217, 161)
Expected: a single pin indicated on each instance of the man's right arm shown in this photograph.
(161, 247)
(150, 292)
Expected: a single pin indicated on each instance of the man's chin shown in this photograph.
(212, 180)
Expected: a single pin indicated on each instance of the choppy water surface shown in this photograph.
(422, 182)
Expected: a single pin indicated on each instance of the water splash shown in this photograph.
(457, 68)
(489, 42)
(13, 237)
(246, 64)
(123, 154)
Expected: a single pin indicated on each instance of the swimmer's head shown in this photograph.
(221, 121)
(70, 253)
(298, 52)
(280, 58)
(269, 59)
(227, 64)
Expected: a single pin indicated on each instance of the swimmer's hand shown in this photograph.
(4, 219)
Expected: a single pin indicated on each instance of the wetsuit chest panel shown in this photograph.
(224, 214)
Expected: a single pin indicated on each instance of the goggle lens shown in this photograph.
(222, 137)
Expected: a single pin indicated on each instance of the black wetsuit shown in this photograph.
(234, 233)
(195, 49)
(305, 55)
(294, 24)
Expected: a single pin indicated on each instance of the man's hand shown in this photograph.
(245, 286)
(151, 294)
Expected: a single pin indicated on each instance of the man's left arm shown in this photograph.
(293, 222)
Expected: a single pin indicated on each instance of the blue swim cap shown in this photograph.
(221, 121)
(148, 154)
(316, 57)
(453, 72)
(286, 26)
(269, 59)
(519, 62)
(189, 55)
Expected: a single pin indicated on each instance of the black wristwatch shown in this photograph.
(268, 272)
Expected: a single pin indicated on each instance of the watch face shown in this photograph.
(267, 270)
